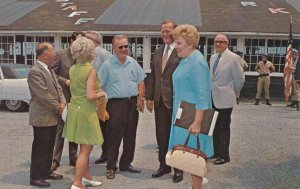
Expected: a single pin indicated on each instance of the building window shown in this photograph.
(254, 48)
(7, 49)
(136, 49)
(30, 46)
(107, 43)
(277, 51)
(65, 42)
(156, 42)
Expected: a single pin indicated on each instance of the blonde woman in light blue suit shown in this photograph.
(227, 79)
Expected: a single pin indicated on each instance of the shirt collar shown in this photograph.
(172, 45)
(43, 64)
(115, 60)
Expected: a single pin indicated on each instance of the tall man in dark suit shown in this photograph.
(160, 94)
(46, 105)
(61, 65)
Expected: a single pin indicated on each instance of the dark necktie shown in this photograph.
(216, 63)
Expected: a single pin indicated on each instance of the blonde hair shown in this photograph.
(83, 49)
(188, 32)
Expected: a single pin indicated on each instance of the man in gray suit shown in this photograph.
(160, 94)
(61, 65)
(46, 105)
(227, 79)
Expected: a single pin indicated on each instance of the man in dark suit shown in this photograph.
(160, 94)
(61, 65)
(46, 105)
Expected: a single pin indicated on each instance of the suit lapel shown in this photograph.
(159, 61)
(48, 75)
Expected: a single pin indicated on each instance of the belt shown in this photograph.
(125, 98)
(265, 74)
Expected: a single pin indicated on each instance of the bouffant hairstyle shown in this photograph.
(188, 32)
(83, 49)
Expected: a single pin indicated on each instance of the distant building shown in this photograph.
(254, 27)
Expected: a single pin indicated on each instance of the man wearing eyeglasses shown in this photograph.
(227, 79)
(122, 79)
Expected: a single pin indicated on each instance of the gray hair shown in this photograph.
(96, 36)
(118, 37)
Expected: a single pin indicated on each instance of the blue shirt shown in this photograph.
(101, 56)
(121, 80)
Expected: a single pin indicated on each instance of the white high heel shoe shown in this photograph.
(204, 181)
(75, 187)
(90, 182)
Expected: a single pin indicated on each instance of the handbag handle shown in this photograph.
(187, 140)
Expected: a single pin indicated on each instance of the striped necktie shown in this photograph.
(216, 63)
(165, 58)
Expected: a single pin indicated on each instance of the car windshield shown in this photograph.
(22, 72)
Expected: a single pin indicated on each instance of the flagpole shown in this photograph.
(287, 73)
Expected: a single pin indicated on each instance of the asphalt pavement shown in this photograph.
(265, 153)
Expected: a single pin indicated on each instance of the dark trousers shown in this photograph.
(59, 145)
(122, 124)
(221, 135)
(103, 130)
(42, 152)
(163, 118)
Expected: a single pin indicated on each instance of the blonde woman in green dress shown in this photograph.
(82, 125)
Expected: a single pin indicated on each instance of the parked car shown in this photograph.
(14, 91)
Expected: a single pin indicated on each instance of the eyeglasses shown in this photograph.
(122, 47)
(220, 42)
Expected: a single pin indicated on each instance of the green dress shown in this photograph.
(82, 124)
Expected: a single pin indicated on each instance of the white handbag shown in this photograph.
(188, 159)
(64, 113)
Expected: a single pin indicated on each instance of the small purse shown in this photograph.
(101, 109)
(188, 159)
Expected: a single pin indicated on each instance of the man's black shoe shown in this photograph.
(221, 161)
(55, 176)
(161, 171)
(214, 157)
(40, 183)
(110, 174)
(294, 106)
(178, 176)
(131, 169)
(73, 163)
(54, 166)
(101, 160)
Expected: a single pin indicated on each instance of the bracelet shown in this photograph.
(142, 98)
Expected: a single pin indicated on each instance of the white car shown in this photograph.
(14, 91)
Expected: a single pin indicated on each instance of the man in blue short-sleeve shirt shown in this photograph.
(122, 79)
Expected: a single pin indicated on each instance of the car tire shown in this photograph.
(15, 105)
